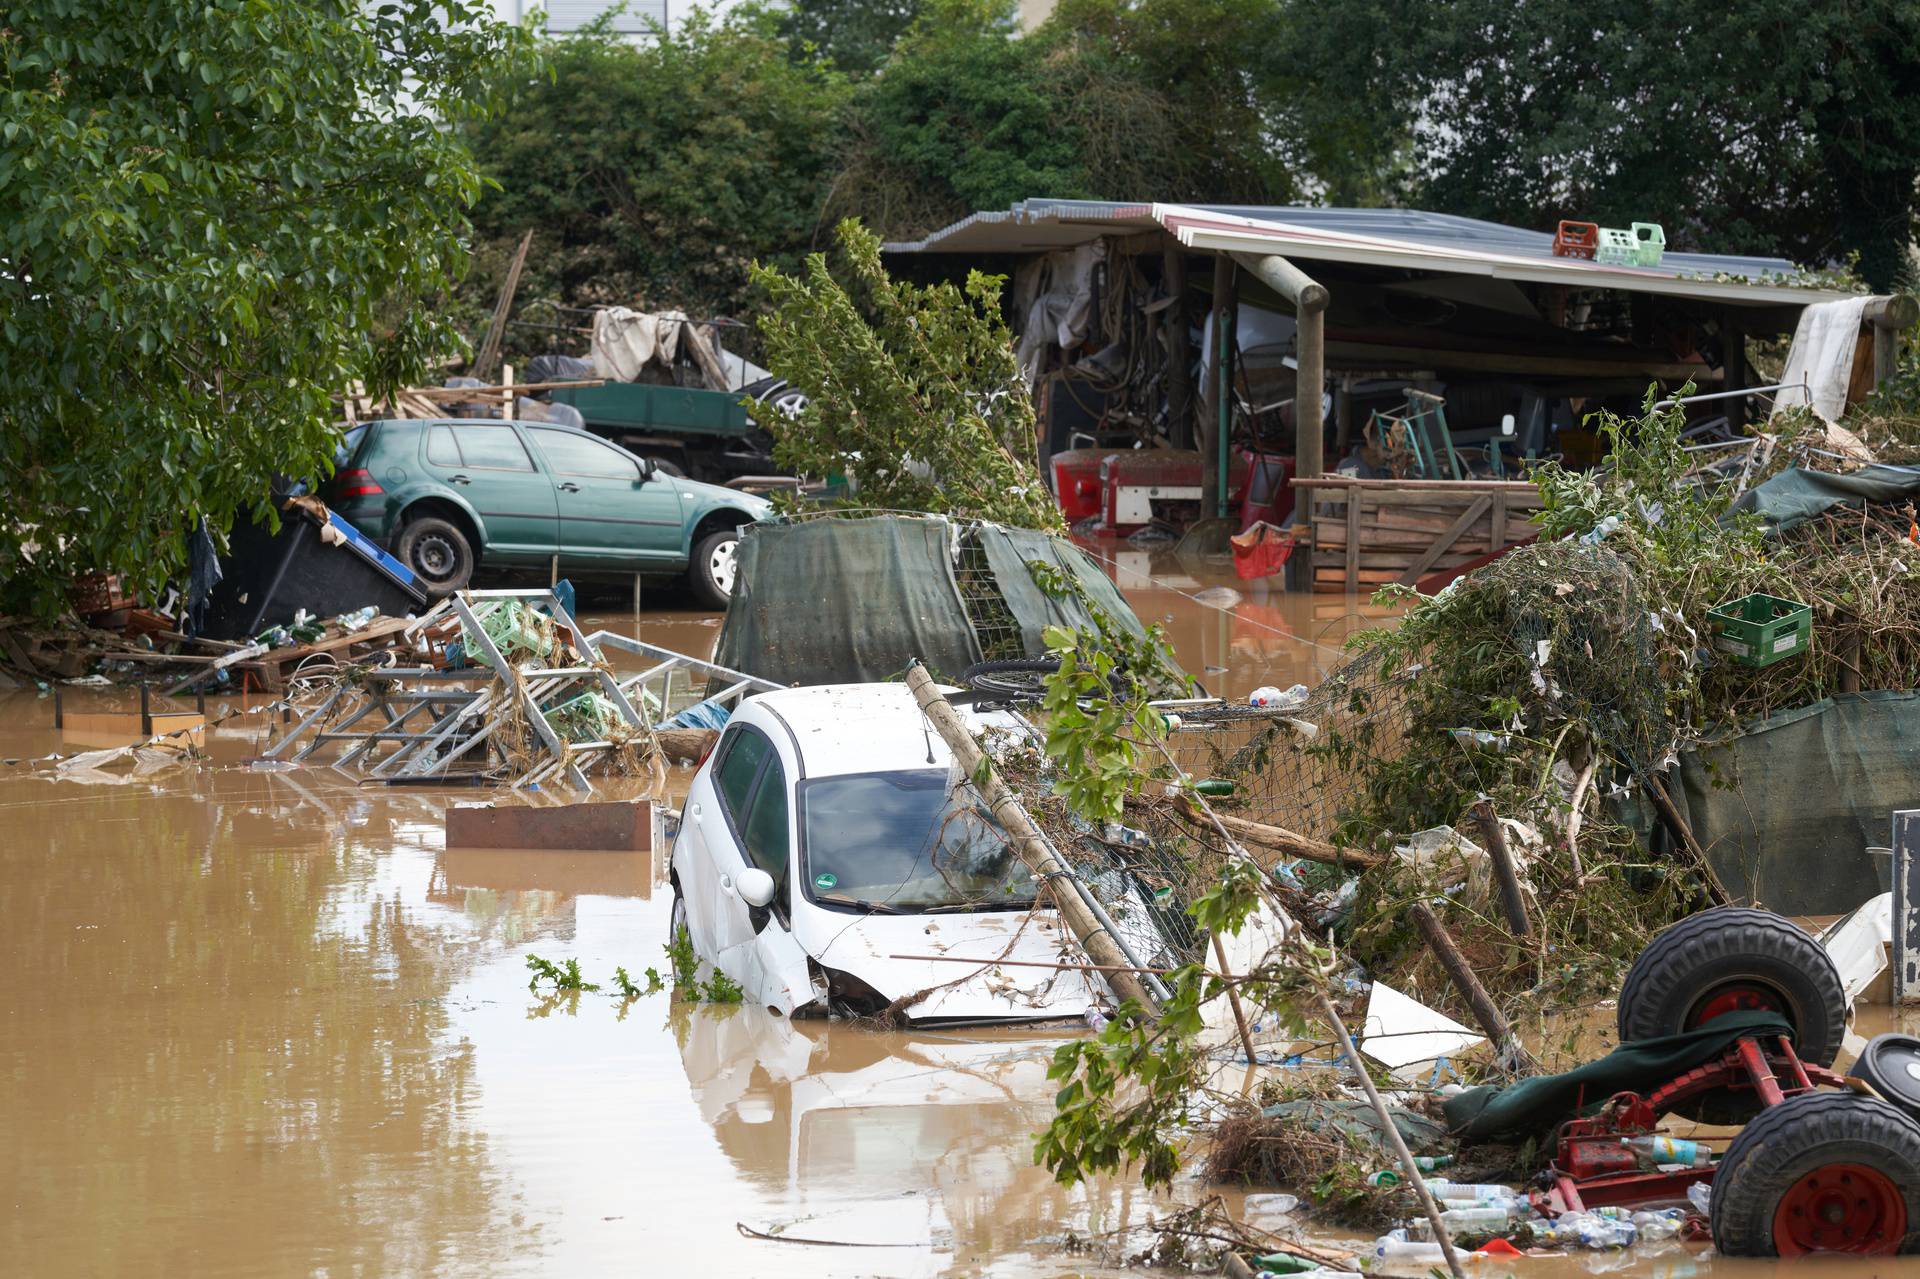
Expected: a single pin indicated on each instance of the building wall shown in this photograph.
(636, 20)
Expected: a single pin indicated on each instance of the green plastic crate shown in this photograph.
(1762, 629)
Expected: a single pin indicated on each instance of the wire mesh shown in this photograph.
(993, 622)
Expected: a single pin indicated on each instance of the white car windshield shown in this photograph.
(898, 842)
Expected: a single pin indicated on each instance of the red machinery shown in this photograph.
(1814, 1169)
(1076, 481)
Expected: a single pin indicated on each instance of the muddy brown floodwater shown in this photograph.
(262, 1023)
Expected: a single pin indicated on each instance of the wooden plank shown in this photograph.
(1370, 487)
(1497, 535)
(1353, 540)
(1446, 541)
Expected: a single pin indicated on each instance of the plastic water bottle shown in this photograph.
(1492, 1218)
(1422, 1252)
(1700, 1195)
(1666, 1151)
(1587, 1230)
(1270, 1205)
(1657, 1225)
(1284, 1263)
(1441, 1188)
(1601, 531)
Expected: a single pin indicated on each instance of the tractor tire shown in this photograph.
(1733, 959)
(1820, 1172)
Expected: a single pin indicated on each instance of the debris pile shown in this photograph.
(504, 686)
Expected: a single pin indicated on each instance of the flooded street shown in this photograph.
(261, 1023)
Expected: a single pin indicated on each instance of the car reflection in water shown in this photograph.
(893, 1137)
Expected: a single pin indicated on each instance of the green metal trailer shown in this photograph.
(708, 435)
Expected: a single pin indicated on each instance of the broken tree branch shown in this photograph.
(1031, 846)
(1461, 973)
(1684, 833)
(1276, 839)
(1511, 901)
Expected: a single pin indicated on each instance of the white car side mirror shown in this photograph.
(756, 886)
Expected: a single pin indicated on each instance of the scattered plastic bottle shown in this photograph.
(1654, 1225)
(1214, 786)
(1700, 1194)
(1271, 1205)
(1601, 531)
(1420, 1252)
(1284, 1263)
(1494, 1218)
(1661, 1152)
(1441, 1188)
(1586, 1230)
(1096, 1020)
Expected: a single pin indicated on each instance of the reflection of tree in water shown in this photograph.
(223, 1049)
(811, 1111)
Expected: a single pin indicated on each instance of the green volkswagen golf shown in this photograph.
(449, 496)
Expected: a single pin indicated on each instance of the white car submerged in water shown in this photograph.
(830, 859)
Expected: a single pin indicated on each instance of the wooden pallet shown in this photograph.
(1370, 533)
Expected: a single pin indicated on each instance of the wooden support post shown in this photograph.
(59, 711)
(1733, 365)
(636, 596)
(1342, 419)
(146, 711)
(508, 397)
(1179, 344)
(1028, 843)
(1353, 541)
(1461, 973)
(1504, 875)
(1215, 471)
(1889, 316)
(1309, 298)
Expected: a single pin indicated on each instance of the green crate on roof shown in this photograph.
(1761, 629)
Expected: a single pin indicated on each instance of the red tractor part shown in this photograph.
(1824, 1164)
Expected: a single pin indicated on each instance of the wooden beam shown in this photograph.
(1441, 544)
(1179, 343)
(1353, 541)
(490, 346)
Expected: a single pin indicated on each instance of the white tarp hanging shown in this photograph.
(1821, 358)
(625, 341)
(1055, 293)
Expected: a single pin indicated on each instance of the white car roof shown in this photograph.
(860, 728)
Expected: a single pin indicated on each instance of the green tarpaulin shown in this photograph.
(1795, 496)
(1534, 1107)
(1787, 809)
(830, 601)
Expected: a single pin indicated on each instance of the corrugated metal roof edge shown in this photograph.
(1686, 268)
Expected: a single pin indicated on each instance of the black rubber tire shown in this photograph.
(1015, 679)
(438, 551)
(1890, 1065)
(1800, 1136)
(703, 575)
(677, 918)
(1704, 953)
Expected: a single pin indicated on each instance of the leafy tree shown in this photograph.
(854, 36)
(654, 174)
(1154, 100)
(212, 219)
(1755, 126)
(912, 392)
